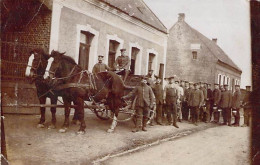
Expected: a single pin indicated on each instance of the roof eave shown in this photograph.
(238, 70)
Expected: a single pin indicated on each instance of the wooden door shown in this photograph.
(84, 55)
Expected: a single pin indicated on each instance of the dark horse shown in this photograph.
(35, 70)
(79, 85)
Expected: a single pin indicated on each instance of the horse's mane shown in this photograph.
(69, 59)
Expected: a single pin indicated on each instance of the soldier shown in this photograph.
(179, 101)
(247, 106)
(208, 103)
(122, 64)
(236, 103)
(197, 99)
(144, 101)
(203, 107)
(158, 93)
(190, 90)
(171, 96)
(216, 100)
(225, 104)
(149, 78)
(100, 66)
(185, 108)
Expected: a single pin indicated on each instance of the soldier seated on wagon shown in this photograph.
(100, 66)
(122, 64)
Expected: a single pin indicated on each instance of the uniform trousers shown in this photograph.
(159, 113)
(172, 113)
(226, 112)
(236, 115)
(141, 116)
(185, 110)
(195, 111)
(247, 116)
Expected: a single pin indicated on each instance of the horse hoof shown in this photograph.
(51, 127)
(62, 130)
(110, 130)
(40, 126)
(81, 132)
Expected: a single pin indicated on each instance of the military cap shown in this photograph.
(248, 86)
(177, 81)
(216, 84)
(123, 49)
(196, 84)
(237, 85)
(186, 81)
(150, 70)
(191, 83)
(157, 77)
(100, 55)
(225, 85)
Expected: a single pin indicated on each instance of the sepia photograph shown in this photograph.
(130, 82)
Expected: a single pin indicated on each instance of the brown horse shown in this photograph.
(78, 85)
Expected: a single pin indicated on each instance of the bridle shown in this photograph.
(40, 63)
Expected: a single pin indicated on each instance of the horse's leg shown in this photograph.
(67, 104)
(75, 119)
(53, 113)
(80, 111)
(42, 109)
(114, 122)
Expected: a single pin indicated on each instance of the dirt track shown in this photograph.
(28, 145)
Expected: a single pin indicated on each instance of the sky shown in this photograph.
(226, 20)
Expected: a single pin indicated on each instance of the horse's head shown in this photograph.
(53, 63)
(37, 63)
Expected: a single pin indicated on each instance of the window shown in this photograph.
(150, 61)
(224, 80)
(134, 54)
(219, 79)
(228, 81)
(84, 48)
(113, 46)
(194, 55)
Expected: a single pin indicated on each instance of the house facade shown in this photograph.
(193, 57)
(85, 29)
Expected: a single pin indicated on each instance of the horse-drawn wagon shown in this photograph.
(101, 93)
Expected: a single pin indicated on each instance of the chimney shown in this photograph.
(215, 40)
(181, 17)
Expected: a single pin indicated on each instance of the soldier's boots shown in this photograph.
(144, 124)
(136, 129)
(175, 125)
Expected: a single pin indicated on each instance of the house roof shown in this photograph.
(139, 10)
(215, 49)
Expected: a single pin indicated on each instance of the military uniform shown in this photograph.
(185, 107)
(144, 101)
(208, 105)
(216, 96)
(203, 107)
(100, 67)
(123, 63)
(158, 93)
(225, 104)
(247, 106)
(236, 106)
(196, 101)
(171, 95)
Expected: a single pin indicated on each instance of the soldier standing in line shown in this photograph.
(100, 66)
(197, 99)
(122, 64)
(216, 100)
(144, 101)
(179, 101)
(190, 90)
(203, 106)
(158, 93)
(185, 108)
(150, 80)
(225, 104)
(247, 106)
(236, 104)
(208, 104)
(171, 96)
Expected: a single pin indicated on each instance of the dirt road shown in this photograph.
(220, 145)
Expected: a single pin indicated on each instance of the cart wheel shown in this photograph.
(103, 114)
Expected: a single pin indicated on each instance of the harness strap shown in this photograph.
(72, 85)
